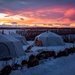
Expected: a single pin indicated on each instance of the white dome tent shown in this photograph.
(48, 39)
(10, 47)
(19, 37)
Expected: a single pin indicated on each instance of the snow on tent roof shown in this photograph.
(19, 37)
(48, 39)
(10, 47)
(11, 38)
(46, 34)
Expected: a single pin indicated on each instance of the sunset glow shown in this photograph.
(37, 13)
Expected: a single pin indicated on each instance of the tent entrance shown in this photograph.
(4, 50)
(38, 42)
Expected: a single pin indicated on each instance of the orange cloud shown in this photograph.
(40, 17)
(72, 25)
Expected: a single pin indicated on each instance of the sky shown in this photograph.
(46, 13)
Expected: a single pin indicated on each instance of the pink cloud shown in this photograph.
(55, 14)
(70, 12)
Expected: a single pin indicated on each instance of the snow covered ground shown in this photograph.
(59, 66)
(50, 48)
(35, 49)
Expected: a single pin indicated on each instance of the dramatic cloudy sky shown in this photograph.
(50, 13)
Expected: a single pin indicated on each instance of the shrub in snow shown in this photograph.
(33, 63)
(28, 48)
(59, 54)
(53, 54)
(40, 56)
(30, 64)
(71, 50)
(31, 57)
(62, 53)
(24, 62)
(47, 55)
(15, 66)
(6, 70)
(36, 62)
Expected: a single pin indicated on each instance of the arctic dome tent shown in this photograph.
(10, 47)
(48, 39)
(19, 37)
